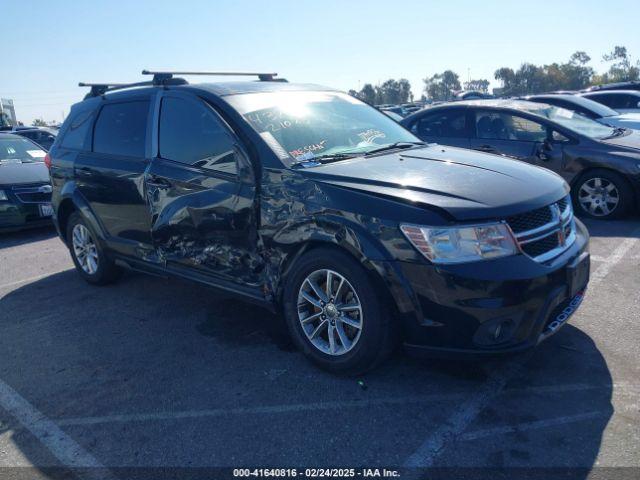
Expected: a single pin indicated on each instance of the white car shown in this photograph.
(622, 101)
(594, 110)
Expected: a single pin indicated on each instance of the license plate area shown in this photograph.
(578, 274)
(46, 210)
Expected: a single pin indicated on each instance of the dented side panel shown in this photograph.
(203, 221)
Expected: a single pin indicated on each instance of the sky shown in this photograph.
(49, 46)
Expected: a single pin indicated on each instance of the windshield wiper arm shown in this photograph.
(326, 158)
(617, 131)
(394, 146)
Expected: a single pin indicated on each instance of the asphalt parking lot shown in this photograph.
(113, 382)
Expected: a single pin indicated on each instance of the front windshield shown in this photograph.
(301, 126)
(574, 121)
(19, 150)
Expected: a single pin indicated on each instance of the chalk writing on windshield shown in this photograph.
(314, 147)
(370, 135)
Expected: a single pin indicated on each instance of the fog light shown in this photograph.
(497, 330)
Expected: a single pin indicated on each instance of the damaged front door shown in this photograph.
(201, 193)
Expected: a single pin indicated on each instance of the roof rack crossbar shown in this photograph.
(262, 76)
(98, 89)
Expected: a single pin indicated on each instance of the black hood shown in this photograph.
(17, 173)
(469, 185)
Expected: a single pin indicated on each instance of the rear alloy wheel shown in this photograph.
(603, 194)
(84, 248)
(336, 315)
(88, 256)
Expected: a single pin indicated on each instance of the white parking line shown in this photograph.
(458, 422)
(612, 260)
(302, 407)
(535, 425)
(450, 430)
(63, 447)
(31, 279)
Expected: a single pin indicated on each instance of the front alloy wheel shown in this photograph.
(330, 312)
(337, 315)
(599, 197)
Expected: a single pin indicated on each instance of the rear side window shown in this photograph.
(191, 133)
(503, 126)
(121, 129)
(445, 124)
(76, 135)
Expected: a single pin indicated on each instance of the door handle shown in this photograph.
(158, 182)
(485, 148)
(84, 171)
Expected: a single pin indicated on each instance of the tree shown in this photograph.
(530, 78)
(367, 94)
(477, 85)
(38, 122)
(405, 91)
(623, 69)
(442, 85)
(353, 93)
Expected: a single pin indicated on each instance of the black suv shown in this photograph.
(309, 202)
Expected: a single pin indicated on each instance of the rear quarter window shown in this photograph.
(75, 137)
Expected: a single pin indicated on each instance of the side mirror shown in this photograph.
(542, 149)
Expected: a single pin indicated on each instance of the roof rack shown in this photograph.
(263, 77)
(167, 78)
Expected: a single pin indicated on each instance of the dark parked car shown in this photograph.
(25, 192)
(623, 101)
(311, 203)
(590, 109)
(631, 85)
(43, 136)
(600, 162)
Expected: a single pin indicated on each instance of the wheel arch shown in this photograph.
(367, 252)
(71, 200)
(575, 182)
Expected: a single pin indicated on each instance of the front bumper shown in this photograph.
(17, 215)
(498, 306)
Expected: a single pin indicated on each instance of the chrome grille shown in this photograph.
(546, 232)
(38, 193)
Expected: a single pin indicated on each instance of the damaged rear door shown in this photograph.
(201, 193)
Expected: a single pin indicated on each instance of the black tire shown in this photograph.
(105, 270)
(376, 338)
(582, 200)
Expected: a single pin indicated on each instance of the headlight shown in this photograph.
(462, 244)
(3, 196)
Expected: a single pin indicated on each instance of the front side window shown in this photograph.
(303, 125)
(121, 129)
(504, 126)
(446, 124)
(191, 133)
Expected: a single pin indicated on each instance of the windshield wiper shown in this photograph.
(394, 146)
(320, 159)
(617, 131)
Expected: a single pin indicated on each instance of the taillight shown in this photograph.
(47, 160)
